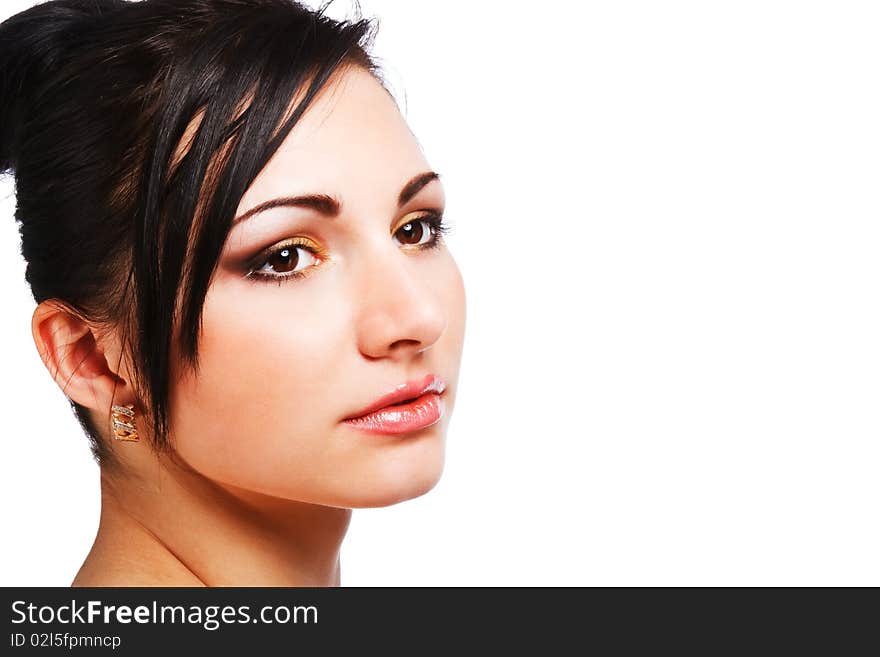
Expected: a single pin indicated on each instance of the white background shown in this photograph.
(666, 215)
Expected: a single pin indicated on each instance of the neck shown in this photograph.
(177, 528)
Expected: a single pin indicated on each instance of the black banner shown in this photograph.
(126, 621)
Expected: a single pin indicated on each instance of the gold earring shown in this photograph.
(123, 423)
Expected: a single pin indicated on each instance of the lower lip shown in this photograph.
(419, 413)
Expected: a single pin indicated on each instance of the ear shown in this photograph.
(76, 359)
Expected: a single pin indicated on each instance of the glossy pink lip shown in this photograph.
(424, 406)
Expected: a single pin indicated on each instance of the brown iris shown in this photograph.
(412, 231)
(284, 260)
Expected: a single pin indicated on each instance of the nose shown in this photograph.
(399, 313)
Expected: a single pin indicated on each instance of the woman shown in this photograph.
(236, 248)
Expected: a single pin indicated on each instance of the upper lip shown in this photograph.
(404, 392)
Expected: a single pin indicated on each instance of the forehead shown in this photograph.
(352, 142)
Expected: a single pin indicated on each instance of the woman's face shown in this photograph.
(284, 360)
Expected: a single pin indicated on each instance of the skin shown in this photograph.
(263, 476)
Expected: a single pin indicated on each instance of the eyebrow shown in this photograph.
(330, 206)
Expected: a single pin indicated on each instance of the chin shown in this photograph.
(397, 481)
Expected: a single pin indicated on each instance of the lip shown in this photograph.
(388, 415)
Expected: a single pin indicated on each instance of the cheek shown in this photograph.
(460, 302)
(455, 302)
(259, 401)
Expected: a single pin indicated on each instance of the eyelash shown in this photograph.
(434, 219)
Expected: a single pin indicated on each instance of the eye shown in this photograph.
(283, 261)
(415, 232)
(424, 232)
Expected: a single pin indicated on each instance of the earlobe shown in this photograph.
(75, 360)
